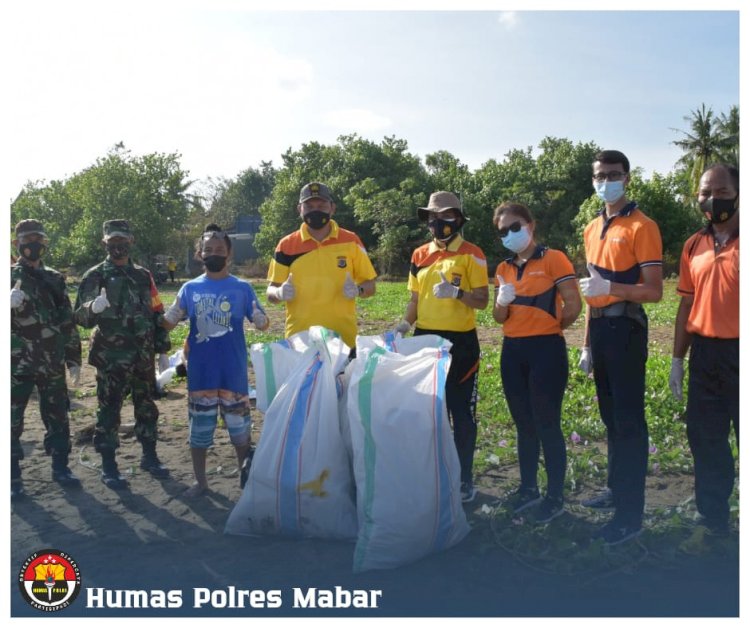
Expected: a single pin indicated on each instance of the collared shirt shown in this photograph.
(537, 308)
(464, 265)
(620, 247)
(318, 274)
(711, 275)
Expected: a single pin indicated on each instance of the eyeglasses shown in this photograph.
(613, 175)
(514, 227)
(214, 234)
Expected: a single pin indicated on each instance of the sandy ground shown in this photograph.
(151, 537)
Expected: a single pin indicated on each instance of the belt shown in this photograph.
(621, 308)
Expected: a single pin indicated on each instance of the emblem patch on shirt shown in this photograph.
(341, 261)
(455, 279)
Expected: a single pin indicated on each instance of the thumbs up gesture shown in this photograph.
(100, 304)
(260, 320)
(506, 293)
(351, 289)
(445, 289)
(596, 285)
(286, 292)
(17, 296)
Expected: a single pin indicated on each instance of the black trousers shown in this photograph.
(713, 408)
(461, 393)
(535, 372)
(619, 348)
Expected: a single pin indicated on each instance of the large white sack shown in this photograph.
(400, 344)
(273, 362)
(405, 463)
(300, 482)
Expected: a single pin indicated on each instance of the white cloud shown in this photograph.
(508, 19)
(358, 120)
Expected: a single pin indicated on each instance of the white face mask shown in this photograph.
(609, 191)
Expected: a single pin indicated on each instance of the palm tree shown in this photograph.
(729, 127)
(702, 145)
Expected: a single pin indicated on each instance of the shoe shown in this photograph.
(548, 510)
(523, 499)
(615, 532)
(110, 473)
(153, 465)
(716, 527)
(602, 501)
(64, 477)
(468, 492)
(16, 490)
(246, 463)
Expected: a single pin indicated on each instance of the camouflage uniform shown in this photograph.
(43, 338)
(127, 335)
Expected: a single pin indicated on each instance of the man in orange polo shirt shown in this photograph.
(319, 270)
(624, 255)
(708, 322)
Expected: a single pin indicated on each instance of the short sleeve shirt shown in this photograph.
(464, 265)
(537, 308)
(318, 272)
(711, 275)
(217, 353)
(620, 247)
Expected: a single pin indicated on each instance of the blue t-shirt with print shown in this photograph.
(217, 354)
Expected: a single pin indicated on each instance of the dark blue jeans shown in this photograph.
(619, 348)
(535, 372)
(713, 407)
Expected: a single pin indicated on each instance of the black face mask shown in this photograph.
(32, 251)
(317, 219)
(118, 251)
(215, 263)
(719, 210)
(443, 229)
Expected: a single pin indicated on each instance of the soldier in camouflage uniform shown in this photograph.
(44, 339)
(120, 300)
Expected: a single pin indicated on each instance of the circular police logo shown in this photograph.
(49, 580)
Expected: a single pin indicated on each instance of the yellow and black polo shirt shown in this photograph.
(464, 265)
(620, 246)
(711, 275)
(318, 273)
(537, 308)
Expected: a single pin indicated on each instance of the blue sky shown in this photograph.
(227, 87)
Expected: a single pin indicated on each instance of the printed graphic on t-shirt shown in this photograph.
(213, 318)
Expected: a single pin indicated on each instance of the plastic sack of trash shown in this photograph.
(405, 462)
(399, 344)
(273, 362)
(300, 482)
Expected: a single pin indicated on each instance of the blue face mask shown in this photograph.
(517, 241)
(609, 191)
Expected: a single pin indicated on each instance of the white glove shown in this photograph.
(285, 292)
(676, 375)
(351, 289)
(596, 285)
(75, 374)
(260, 320)
(100, 304)
(17, 296)
(163, 362)
(584, 363)
(506, 294)
(174, 314)
(444, 289)
(402, 328)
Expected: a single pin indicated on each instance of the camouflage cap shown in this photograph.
(117, 227)
(315, 190)
(28, 227)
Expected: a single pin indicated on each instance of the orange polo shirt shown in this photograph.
(463, 265)
(537, 308)
(620, 246)
(711, 275)
(318, 273)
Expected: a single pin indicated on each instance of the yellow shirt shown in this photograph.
(318, 274)
(464, 265)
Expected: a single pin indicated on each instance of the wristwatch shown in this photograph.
(460, 293)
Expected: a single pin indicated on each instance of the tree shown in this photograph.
(729, 128)
(240, 196)
(702, 145)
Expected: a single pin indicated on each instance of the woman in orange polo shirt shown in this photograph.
(536, 298)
